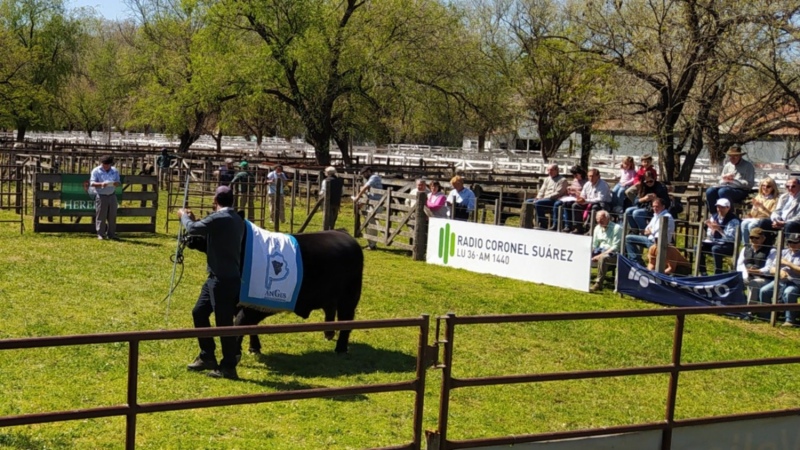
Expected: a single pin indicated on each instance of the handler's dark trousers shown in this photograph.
(105, 207)
(218, 296)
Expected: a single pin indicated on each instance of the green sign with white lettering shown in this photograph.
(76, 195)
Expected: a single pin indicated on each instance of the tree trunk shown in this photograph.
(586, 145)
(322, 147)
(343, 142)
(481, 141)
(187, 139)
(22, 127)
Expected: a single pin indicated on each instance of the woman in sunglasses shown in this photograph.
(762, 206)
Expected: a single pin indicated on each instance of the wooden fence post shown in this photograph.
(526, 215)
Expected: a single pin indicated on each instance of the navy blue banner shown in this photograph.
(712, 290)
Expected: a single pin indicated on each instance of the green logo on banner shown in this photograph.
(447, 243)
(75, 193)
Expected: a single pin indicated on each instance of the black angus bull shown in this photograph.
(487, 199)
(333, 264)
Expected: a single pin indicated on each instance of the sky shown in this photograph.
(110, 9)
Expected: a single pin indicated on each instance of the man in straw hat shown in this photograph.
(737, 179)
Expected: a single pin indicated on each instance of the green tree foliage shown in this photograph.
(183, 68)
(96, 95)
(41, 42)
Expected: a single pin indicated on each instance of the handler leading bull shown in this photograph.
(223, 231)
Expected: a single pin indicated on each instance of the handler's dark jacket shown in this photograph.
(224, 231)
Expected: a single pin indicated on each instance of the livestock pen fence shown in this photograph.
(663, 434)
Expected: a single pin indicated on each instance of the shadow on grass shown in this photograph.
(280, 386)
(361, 359)
(21, 441)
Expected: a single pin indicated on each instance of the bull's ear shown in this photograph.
(240, 213)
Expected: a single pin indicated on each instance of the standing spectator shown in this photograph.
(786, 215)
(223, 230)
(105, 179)
(752, 259)
(642, 210)
(595, 195)
(226, 172)
(332, 186)
(553, 188)
(738, 177)
(437, 201)
(635, 244)
(164, 162)
(789, 278)
(243, 185)
(676, 263)
(627, 176)
(720, 236)
(762, 206)
(276, 206)
(573, 191)
(420, 186)
(606, 243)
(460, 200)
(373, 182)
(645, 167)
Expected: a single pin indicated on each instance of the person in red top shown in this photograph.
(645, 166)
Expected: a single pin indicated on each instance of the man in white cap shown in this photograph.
(737, 179)
(720, 236)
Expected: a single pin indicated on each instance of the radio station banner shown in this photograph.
(76, 195)
(554, 259)
(725, 289)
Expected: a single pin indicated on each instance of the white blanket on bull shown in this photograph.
(272, 271)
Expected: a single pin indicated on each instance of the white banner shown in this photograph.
(547, 257)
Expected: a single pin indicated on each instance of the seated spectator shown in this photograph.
(676, 263)
(420, 186)
(573, 191)
(635, 244)
(720, 236)
(460, 200)
(642, 210)
(735, 182)
(595, 195)
(763, 205)
(786, 215)
(752, 259)
(436, 205)
(627, 176)
(789, 279)
(606, 242)
(553, 188)
(645, 167)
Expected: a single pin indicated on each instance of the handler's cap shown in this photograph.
(724, 202)
(756, 232)
(243, 164)
(365, 170)
(793, 238)
(228, 160)
(222, 190)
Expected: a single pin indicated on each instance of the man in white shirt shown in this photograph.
(595, 196)
(636, 244)
(553, 188)
(421, 186)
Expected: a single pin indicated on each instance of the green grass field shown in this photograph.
(75, 284)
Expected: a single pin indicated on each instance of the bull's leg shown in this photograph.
(246, 317)
(330, 316)
(346, 312)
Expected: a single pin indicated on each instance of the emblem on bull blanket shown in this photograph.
(278, 265)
